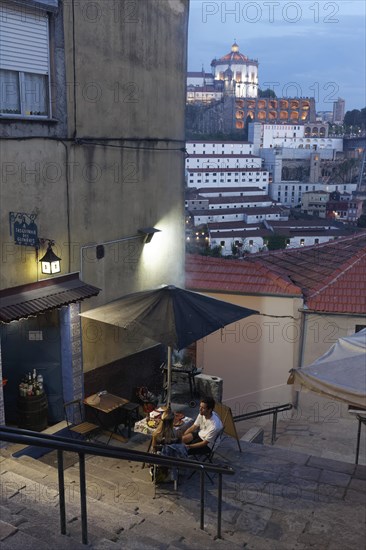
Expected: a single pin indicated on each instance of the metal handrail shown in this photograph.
(264, 412)
(61, 444)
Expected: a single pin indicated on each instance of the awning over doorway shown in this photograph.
(32, 299)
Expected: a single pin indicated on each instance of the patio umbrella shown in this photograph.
(169, 315)
(340, 373)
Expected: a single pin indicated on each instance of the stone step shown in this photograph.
(32, 517)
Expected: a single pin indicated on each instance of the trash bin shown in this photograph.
(209, 386)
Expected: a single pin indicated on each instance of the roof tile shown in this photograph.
(330, 276)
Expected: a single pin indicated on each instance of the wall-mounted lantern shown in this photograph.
(50, 263)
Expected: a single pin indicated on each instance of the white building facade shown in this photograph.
(224, 164)
(311, 137)
(289, 193)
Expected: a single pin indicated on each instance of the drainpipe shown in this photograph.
(300, 358)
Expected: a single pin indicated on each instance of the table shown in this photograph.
(142, 427)
(109, 404)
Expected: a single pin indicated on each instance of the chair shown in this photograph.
(131, 415)
(75, 419)
(207, 456)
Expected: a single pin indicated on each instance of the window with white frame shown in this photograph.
(24, 61)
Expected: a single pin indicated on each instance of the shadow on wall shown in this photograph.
(122, 377)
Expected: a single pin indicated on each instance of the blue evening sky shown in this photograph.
(304, 48)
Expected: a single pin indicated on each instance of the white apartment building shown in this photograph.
(223, 177)
(199, 78)
(224, 164)
(230, 191)
(311, 137)
(253, 201)
(254, 238)
(247, 240)
(204, 94)
(229, 148)
(289, 193)
(249, 215)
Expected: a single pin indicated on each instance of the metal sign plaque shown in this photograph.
(24, 228)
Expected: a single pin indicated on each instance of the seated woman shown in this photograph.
(167, 441)
(164, 433)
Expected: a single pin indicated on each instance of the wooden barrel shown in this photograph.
(32, 412)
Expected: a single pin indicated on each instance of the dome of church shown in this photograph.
(232, 57)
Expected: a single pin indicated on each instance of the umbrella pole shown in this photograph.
(169, 378)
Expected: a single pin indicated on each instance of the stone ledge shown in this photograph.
(254, 435)
(6, 529)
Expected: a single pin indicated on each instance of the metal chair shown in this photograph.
(207, 456)
(75, 420)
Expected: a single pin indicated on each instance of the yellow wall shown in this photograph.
(254, 356)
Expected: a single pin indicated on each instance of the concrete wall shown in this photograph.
(119, 168)
(130, 68)
(254, 356)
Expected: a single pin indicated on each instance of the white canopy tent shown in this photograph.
(340, 373)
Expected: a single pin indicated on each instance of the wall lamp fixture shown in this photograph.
(146, 234)
(50, 262)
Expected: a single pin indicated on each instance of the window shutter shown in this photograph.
(24, 42)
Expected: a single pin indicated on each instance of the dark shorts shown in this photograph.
(200, 451)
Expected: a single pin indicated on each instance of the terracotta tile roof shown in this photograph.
(331, 276)
(240, 233)
(311, 266)
(248, 210)
(220, 275)
(218, 142)
(220, 169)
(247, 199)
(224, 226)
(221, 190)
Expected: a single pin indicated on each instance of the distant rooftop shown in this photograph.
(330, 276)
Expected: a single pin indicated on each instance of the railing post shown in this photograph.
(202, 485)
(219, 507)
(359, 418)
(274, 427)
(84, 520)
(61, 490)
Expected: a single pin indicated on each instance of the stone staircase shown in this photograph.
(123, 508)
(277, 500)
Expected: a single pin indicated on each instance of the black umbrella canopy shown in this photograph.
(169, 315)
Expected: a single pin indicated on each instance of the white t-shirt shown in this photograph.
(208, 427)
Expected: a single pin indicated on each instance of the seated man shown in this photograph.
(199, 438)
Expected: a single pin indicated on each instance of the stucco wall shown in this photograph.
(129, 68)
(322, 331)
(254, 356)
(129, 72)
